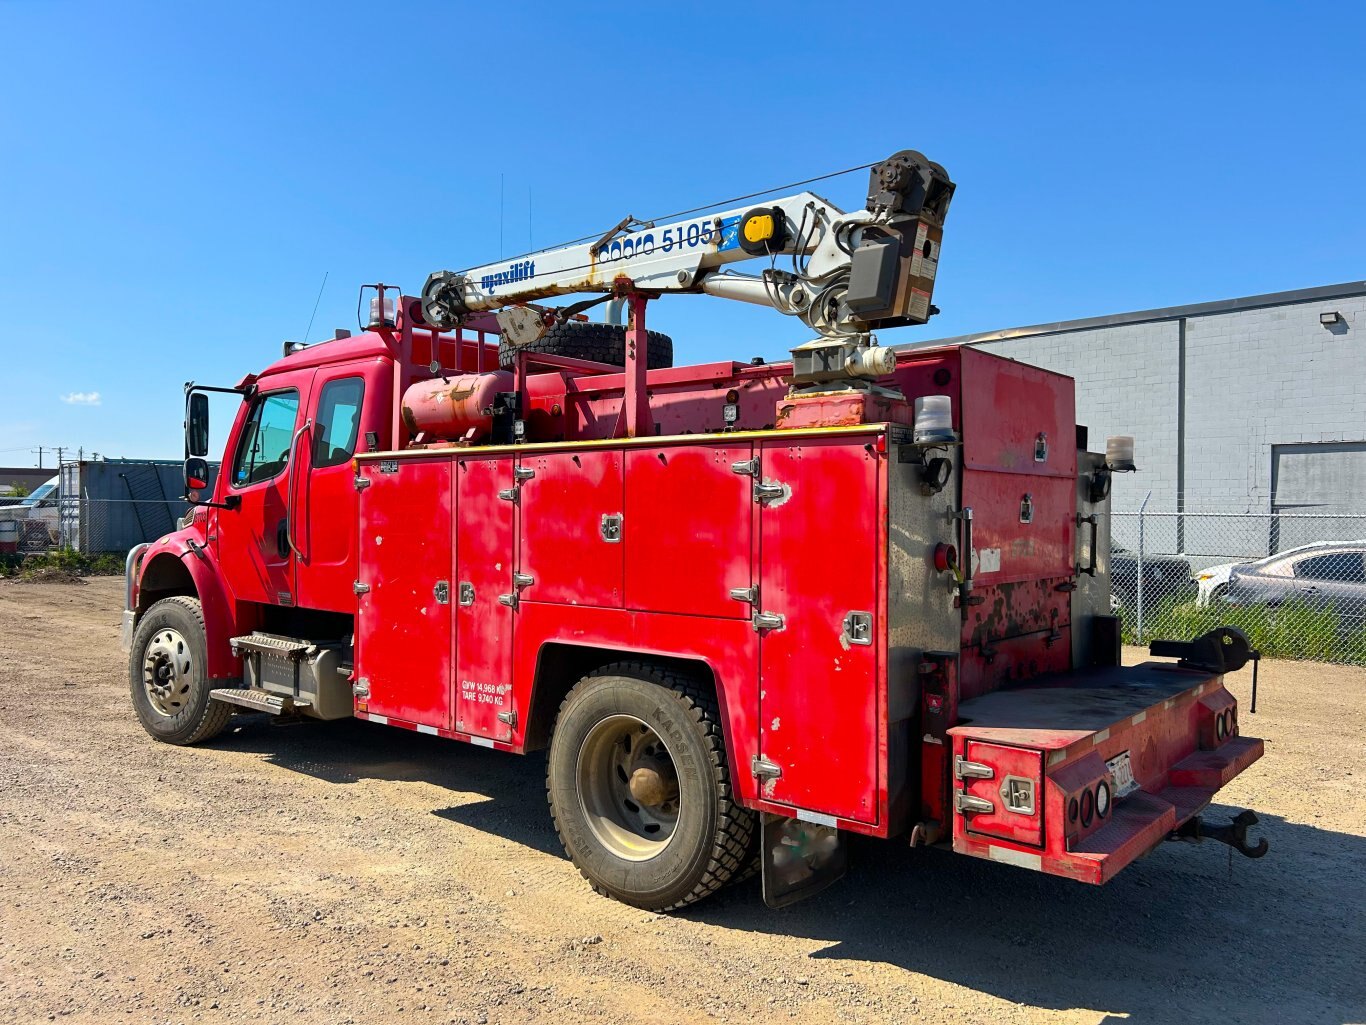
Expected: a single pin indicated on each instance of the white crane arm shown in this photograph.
(849, 271)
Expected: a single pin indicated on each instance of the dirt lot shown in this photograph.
(352, 873)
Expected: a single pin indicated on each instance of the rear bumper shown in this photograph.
(1074, 735)
(1141, 821)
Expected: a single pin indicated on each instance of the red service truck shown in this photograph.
(748, 608)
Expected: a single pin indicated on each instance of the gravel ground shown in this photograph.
(348, 872)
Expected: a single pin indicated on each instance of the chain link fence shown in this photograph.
(1294, 582)
(100, 508)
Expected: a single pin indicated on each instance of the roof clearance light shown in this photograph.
(1119, 453)
(933, 420)
(381, 317)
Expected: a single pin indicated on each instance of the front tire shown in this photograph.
(168, 675)
(640, 791)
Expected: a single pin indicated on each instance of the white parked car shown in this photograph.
(39, 514)
(1212, 581)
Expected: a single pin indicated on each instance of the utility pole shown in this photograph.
(39, 450)
(60, 450)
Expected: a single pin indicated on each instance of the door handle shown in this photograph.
(289, 493)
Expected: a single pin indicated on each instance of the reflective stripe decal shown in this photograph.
(427, 729)
(481, 742)
(1020, 859)
(383, 720)
(817, 819)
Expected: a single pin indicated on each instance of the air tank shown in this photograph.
(451, 408)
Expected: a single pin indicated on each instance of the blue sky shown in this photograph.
(176, 180)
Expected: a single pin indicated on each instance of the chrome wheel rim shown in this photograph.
(167, 672)
(628, 788)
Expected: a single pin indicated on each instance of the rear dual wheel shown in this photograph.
(640, 791)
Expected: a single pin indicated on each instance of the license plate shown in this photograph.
(1124, 774)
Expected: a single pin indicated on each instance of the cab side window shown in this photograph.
(263, 450)
(334, 436)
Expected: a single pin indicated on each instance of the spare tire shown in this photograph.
(602, 343)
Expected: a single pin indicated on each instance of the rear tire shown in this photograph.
(602, 343)
(640, 791)
(168, 674)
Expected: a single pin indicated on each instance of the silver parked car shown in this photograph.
(1325, 576)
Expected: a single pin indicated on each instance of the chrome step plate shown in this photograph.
(259, 700)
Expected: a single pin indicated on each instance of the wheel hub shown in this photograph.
(167, 672)
(628, 787)
(653, 785)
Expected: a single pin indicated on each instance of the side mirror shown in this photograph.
(196, 426)
(196, 474)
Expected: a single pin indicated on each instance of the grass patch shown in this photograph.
(1293, 630)
(60, 566)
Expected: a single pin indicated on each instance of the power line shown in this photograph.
(682, 213)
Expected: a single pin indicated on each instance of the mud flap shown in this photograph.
(800, 859)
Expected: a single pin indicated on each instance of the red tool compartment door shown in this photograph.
(571, 537)
(403, 632)
(689, 527)
(1013, 768)
(820, 703)
(484, 561)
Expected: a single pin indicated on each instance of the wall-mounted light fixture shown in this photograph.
(1331, 319)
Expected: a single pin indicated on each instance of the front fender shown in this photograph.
(180, 563)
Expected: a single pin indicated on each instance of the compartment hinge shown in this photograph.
(769, 490)
(509, 494)
(767, 621)
(361, 483)
(358, 588)
(522, 473)
(748, 594)
(763, 768)
(361, 688)
(510, 600)
(966, 804)
(746, 467)
(964, 769)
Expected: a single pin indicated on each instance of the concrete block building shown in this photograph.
(1254, 405)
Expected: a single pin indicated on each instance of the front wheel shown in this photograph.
(640, 791)
(168, 674)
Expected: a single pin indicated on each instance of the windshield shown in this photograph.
(39, 494)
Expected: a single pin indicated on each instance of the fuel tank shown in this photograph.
(453, 407)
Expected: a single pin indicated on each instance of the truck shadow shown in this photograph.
(1183, 936)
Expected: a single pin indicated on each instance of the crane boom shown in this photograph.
(850, 272)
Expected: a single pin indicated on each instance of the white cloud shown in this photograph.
(82, 398)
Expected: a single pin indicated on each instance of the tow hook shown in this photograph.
(1234, 834)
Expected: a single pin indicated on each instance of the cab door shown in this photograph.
(254, 539)
(348, 403)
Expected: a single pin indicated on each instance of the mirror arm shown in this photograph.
(229, 502)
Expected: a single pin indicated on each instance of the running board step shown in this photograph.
(259, 700)
(272, 644)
